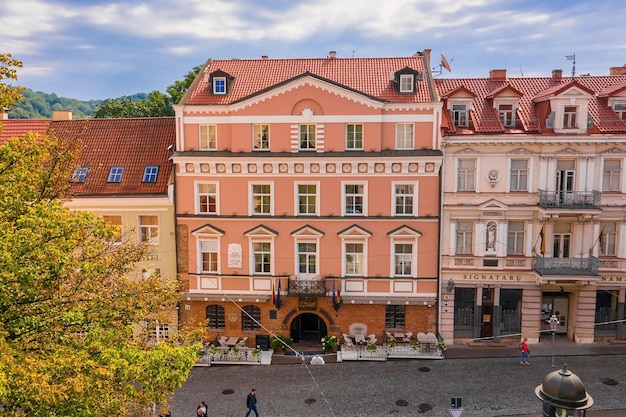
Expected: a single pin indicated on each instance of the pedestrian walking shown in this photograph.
(251, 403)
(201, 411)
(525, 352)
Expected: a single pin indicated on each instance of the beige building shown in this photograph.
(533, 222)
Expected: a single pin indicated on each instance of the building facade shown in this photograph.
(307, 196)
(533, 221)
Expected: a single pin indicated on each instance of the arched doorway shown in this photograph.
(307, 327)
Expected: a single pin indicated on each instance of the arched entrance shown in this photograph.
(307, 327)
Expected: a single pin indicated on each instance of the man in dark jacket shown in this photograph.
(251, 403)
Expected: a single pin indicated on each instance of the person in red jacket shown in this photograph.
(525, 356)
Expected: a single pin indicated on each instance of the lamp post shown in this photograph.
(563, 395)
(554, 322)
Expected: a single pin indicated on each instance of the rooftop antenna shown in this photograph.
(438, 70)
(572, 58)
(353, 53)
(521, 70)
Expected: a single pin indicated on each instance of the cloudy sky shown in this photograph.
(95, 49)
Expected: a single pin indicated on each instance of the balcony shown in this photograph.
(570, 199)
(567, 266)
(300, 287)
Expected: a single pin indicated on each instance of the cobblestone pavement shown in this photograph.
(488, 378)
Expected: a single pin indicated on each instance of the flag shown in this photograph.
(339, 292)
(570, 57)
(273, 293)
(334, 295)
(542, 235)
(601, 239)
(277, 302)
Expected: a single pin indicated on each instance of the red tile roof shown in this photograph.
(485, 120)
(11, 128)
(368, 76)
(130, 143)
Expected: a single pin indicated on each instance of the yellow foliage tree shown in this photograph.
(67, 305)
(8, 71)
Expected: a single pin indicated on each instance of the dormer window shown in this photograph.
(407, 83)
(570, 117)
(459, 113)
(80, 174)
(620, 109)
(507, 114)
(115, 174)
(219, 85)
(150, 174)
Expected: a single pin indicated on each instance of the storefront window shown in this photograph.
(464, 319)
(511, 311)
(606, 312)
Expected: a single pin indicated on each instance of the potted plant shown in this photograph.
(415, 345)
(234, 352)
(391, 343)
(330, 343)
(441, 345)
(256, 352)
(280, 342)
(213, 351)
(371, 347)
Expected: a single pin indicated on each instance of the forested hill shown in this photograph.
(39, 105)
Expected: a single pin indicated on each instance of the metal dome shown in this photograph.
(564, 389)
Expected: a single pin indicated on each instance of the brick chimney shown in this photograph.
(557, 74)
(617, 70)
(332, 54)
(497, 75)
(62, 115)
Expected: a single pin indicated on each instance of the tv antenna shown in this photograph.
(438, 70)
(572, 58)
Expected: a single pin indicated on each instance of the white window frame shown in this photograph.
(345, 195)
(207, 137)
(254, 252)
(151, 232)
(308, 255)
(467, 237)
(351, 269)
(200, 193)
(571, 116)
(609, 232)
(460, 114)
(507, 116)
(316, 196)
(515, 175)
(619, 107)
(208, 246)
(262, 195)
(467, 174)
(80, 174)
(612, 177)
(115, 174)
(352, 135)
(407, 83)
(405, 136)
(307, 133)
(261, 137)
(150, 174)
(395, 196)
(219, 85)
(411, 256)
(515, 239)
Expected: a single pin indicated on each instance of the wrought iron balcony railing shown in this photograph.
(300, 287)
(570, 199)
(566, 266)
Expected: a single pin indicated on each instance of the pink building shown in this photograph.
(307, 196)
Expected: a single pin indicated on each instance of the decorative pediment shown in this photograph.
(261, 231)
(461, 92)
(493, 205)
(521, 151)
(208, 230)
(569, 150)
(505, 92)
(354, 231)
(614, 150)
(467, 151)
(404, 231)
(307, 231)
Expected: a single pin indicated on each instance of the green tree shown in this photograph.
(8, 71)
(179, 88)
(68, 346)
(156, 105)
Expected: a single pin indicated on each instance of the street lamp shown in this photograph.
(554, 322)
(563, 395)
